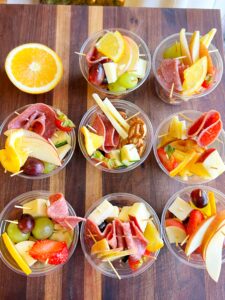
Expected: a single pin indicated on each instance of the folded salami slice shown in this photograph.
(58, 207)
(207, 127)
(111, 237)
(140, 241)
(69, 222)
(104, 128)
(121, 243)
(169, 74)
(39, 118)
(92, 231)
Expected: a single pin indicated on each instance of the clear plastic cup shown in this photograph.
(162, 91)
(91, 41)
(219, 144)
(130, 109)
(10, 212)
(195, 260)
(119, 199)
(4, 127)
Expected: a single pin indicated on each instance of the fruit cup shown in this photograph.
(120, 267)
(114, 76)
(172, 147)
(60, 146)
(10, 212)
(173, 228)
(129, 109)
(166, 93)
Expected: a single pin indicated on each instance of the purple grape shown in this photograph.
(33, 167)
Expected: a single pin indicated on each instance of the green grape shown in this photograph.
(128, 80)
(48, 167)
(15, 234)
(173, 51)
(116, 87)
(43, 228)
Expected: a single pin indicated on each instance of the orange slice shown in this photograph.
(34, 68)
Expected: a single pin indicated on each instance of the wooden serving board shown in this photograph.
(64, 29)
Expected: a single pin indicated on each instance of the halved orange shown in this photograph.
(34, 68)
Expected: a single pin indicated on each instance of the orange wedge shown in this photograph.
(34, 68)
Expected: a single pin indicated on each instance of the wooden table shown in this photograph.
(64, 29)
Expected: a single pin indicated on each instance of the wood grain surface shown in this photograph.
(64, 29)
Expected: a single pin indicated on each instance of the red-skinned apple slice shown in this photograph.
(175, 231)
(218, 222)
(213, 254)
(195, 240)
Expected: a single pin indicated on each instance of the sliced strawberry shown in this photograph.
(195, 219)
(51, 251)
(134, 265)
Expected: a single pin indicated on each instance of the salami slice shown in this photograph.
(104, 128)
(140, 242)
(69, 222)
(169, 73)
(58, 207)
(111, 237)
(39, 118)
(119, 234)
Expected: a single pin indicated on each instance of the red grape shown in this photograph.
(33, 167)
(26, 223)
(96, 74)
(199, 198)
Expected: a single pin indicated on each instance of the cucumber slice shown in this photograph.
(49, 168)
(61, 138)
(129, 154)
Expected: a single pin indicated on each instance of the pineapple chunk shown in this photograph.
(177, 128)
(36, 208)
(124, 214)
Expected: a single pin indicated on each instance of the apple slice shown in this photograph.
(207, 38)
(194, 46)
(117, 255)
(196, 238)
(40, 149)
(109, 252)
(24, 132)
(124, 214)
(135, 53)
(175, 234)
(175, 230)
(213, 254)
(218, 222)
(184, 48)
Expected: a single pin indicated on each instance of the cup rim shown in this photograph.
(17, 199)
(72, 134)
(168, 203)
(178, 178)
(89, 258)
(194, 96)
(149, 145)
(142, 42)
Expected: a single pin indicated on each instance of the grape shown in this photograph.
(102, 226)
(48, 168)
(96, 74)
(116, 87)
(128, 80)
(15, 234)
(43, 228)
(199, 198)
(33, 167)
(26, 223)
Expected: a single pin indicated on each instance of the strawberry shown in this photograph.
(52, 251)
(195, 219)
